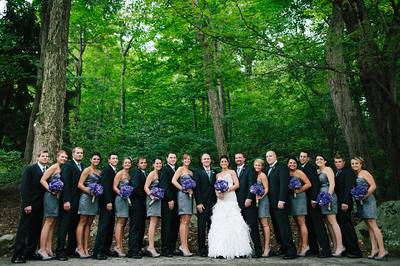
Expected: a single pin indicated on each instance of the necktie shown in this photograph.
(44, 169)
(80, 167)
(269, 170)
(209, 175)
(338, 173)
(238, 171)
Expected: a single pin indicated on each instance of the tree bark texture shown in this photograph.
(49, 121)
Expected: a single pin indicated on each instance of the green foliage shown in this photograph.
(11, 166)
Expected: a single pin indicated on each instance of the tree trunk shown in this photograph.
(49, 121)
(44, 28)
(195, 125)
(124, 54)
(378, 70)
(349, 116)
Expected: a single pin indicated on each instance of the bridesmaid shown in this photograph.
(298, 205)
(367, 210)
(185, 203)
(153, 205)
(87, 208)
(327, 180)
(263, 205)
(121, 205)
(51, 205)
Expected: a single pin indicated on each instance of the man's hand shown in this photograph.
(28, 209)
(281, 204)
(67, 206)
(345, 207)
(171, 204)
(200, 208)
(109, 206)
(313, 204)
(247, 203)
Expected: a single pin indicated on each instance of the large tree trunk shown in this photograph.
(44, 27)
(349, 116)
(49, 121)
(378, 70)
(124, 54)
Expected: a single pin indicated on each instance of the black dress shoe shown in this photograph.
(354, 256)
(289, 257)
(323, 255)
(99, 256)
(18, 259)
(61, 257)
(34, 256)
(134, 255)
(203, 254)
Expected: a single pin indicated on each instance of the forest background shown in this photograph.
(142, 77)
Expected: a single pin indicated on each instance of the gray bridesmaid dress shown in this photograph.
(263, 206)
(153, 207)
(86, 206)
(298, 204)
(50, 201)
(323, 178)
(185, 202)
(121, 204)
(366, 209)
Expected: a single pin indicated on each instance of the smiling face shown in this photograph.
(77, 154)
(95, 160)
(339, 163)
(186, 160)
(270, 156)
(142, 164)
(206, 160)
(43, 158)
(320, 161)
(303, 158)
(171, 159)
(224, 163)
(113, 160)
(157, 165)
(62, 158)
(258, 165)
(239, 159)
(356, 165)
(127, 163)
(292, 164)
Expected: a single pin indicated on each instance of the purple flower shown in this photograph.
(324, 199)
(188, 183)
(257, 189)
(125, 192)
(221, 186)
(96, 190)
(294, 184)
(156, 193)
(359, 192)
(56, 185)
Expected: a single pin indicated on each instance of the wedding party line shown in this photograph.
(231, 205)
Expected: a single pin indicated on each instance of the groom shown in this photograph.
(247, 201)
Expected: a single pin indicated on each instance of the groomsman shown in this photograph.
(314, 221)
(247, 201)
(69, 203)
(169, 208)
(30, 221)
(105, 228)
(204, 194)
(137, 212)
(278, 176)
(345, 180)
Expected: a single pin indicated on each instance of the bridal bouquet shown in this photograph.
(188, 184)
(294, 184)
(56, 186)
(157, 193)
(125, 192)
(96, 190)
(257, 189)
(359, 192)
(324, 199)
(221, 186)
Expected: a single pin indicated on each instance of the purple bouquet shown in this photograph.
(125, 192)
(157, 193)
(359, 192)
(188, 184)
(324, 199)
(257, 189)
(56, 186)
(294, 184)
(96, 190)
(221, 186)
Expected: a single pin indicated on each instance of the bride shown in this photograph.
(229, 235)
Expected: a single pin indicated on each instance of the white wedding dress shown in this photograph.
(229, 235)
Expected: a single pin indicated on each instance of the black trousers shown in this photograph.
(105, 231)
(169, 228)
(67, 223)
(203, 226)
(28, 233)
(317, 234)
(137, 224)
(349, 236)
(250, 215)
(282, 230)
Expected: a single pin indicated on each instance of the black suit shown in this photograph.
(28, 232)
(105, 228)
(247, 178)
(344, 181)
(137, 213)
(170, 219)
(204, 193)
(314, 221)
(68, 220)
(278, 191)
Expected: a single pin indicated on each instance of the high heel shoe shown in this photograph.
(183, 253)
(119, 252)
(79, 254)
(43, 255)
(382, 258)
(371, 257)
(152, 253)
(303, 254)
(267, 254)
(339, 254)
